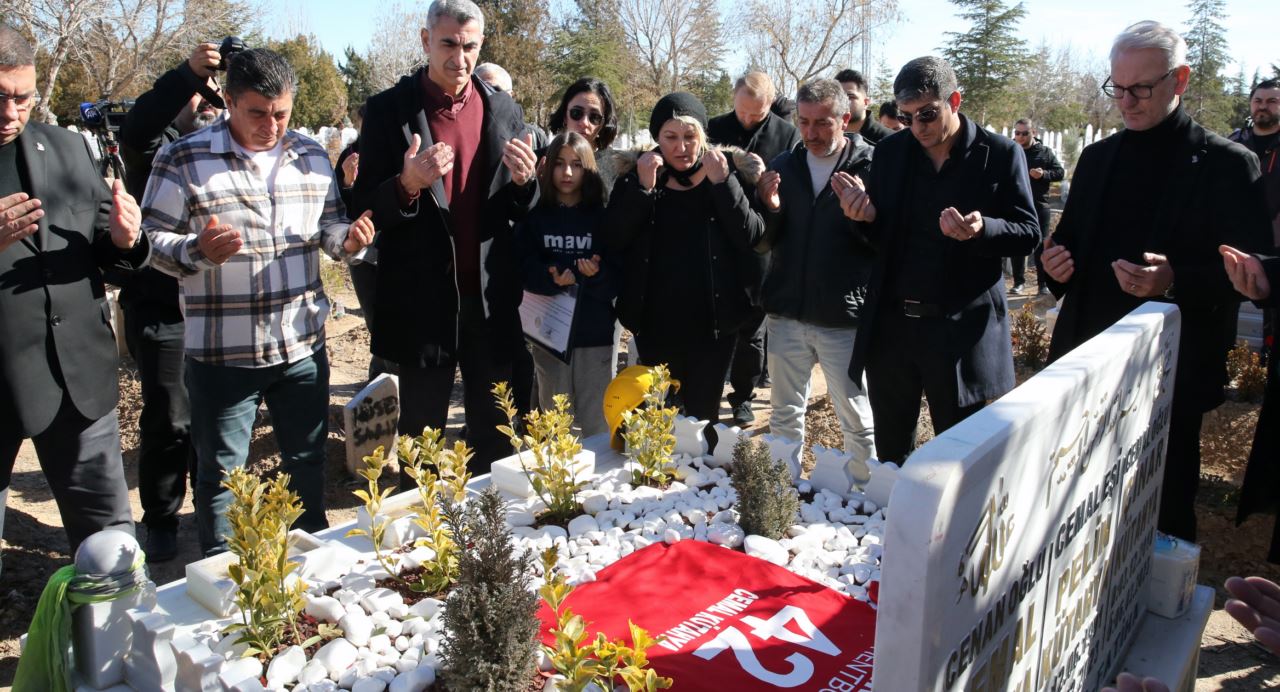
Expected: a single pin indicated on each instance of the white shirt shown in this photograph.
(820, 168)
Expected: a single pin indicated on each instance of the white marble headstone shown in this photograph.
(370, 419)
(1019, 553)
(690, 436)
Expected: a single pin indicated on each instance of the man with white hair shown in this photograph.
(445, 166)
(1148, 209)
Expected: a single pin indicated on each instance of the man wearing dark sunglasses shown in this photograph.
(1148, 209)
(1044, 168)
(944, 206)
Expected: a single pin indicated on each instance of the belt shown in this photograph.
(917, 309)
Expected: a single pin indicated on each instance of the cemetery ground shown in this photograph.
(34, 543)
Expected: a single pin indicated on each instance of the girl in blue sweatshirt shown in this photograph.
(560, 251)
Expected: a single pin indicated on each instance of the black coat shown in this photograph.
(1261, 490)
(54, 316)
(147, 127)
(416, 316)
(872, 131)
(770, 138)
(1269, 160)
(1042, 157)
(994, 173)
(730, 283)
(820, 261)
(1210, 198)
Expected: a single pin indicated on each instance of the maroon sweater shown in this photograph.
(459, 122)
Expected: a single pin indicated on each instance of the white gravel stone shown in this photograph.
(284, 668)
(671, 536)
(325, 608)
(766, 549)
(582, 524)
(357, 628)
(336, 656)
(379, 600)
(312, 673)
(426, 608)
(369, 684)
(416, 680)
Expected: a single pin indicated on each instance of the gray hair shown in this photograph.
(1151, 34)
(825, 91)
(15, 49)
(261, 70)
(461, 11)
(494, 75)
(929, 76)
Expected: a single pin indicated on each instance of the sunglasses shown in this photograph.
(1021, 133)
(578, 113)
(924, 116)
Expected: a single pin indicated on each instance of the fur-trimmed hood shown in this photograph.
(615, 163)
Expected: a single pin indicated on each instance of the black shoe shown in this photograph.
(1043, 291)
(742, 415)
(162, 544)
(1016, 290)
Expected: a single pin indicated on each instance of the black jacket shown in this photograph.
(995, 175)
(730, 284)
(773, 136)
(1269, 159)
(416, 316)
(1040, 156)
(1210, 198)
(559, 236)
(1261, 489)
(872, 131)
(146, 128)
(55, 330)
(820, 261)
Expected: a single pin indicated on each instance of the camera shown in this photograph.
(105, 116)
(229, 47)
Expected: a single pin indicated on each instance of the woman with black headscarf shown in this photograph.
(685, 232)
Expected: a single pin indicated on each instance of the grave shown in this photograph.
(370, 419)
(1024, 560)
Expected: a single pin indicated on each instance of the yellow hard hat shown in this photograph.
(624, 393)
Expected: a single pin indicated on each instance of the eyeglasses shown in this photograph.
(578, 113)
(1021, 133)
(1138, 91)
(21, 101)
(923, 116)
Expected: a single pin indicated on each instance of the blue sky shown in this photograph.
(1086, 25)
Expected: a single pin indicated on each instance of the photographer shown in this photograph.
(153, 320)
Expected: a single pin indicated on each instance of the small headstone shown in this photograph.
(786, 450)
(726, 439)
(833, 470)
(690, 438)
(370, 419)
(151, 664)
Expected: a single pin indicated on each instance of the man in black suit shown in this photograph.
(860, 118)
(445, 171)
(61, 228)
(945, 205)
(1128, 235)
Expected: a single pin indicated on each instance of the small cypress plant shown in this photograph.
(491, 615)
(767, 501)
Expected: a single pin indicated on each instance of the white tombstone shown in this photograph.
(726, 439)
(884, 475)
(1019, 553)
(690, 436)
(834, 470)
(370, 420)
(1088, 134)
(786, 450)
(102, 632)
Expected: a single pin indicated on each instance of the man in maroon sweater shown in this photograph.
(445, 169)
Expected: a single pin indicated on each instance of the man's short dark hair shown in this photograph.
(845, 76)
(1031, 125)
(1264, 84)
(15, 49)
(263, 71)
(889, 108)
(930, 77)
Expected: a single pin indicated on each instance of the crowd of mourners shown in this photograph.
(749, 246)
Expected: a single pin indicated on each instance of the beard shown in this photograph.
(1265, 119)
(204, 119)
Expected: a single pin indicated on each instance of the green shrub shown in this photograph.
(553, 473)
(647, 432)
(492, 616)
(767, 501)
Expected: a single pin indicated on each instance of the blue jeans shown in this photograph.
(224, 403)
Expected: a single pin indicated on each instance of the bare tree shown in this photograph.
(56, 26)
(799, 40)
(674, 40)
(396, 46)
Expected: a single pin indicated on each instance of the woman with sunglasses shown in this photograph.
(684, 231)
(587, 108)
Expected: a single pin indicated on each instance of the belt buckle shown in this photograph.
(907, 309)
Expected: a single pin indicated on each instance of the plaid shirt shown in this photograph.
(265, 305)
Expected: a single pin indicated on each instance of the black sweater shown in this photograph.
(559, 236)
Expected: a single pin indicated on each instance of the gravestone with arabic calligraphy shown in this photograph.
(370, 419)
(1023, 563)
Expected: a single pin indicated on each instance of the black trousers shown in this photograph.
(166, 456)
(486, 350)
(364, 278)
(699, 366)
(748, 361)
(81, 462)
(904, 362)
(1019, 264)
(1181, 470)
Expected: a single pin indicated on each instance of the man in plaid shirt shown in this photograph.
(238, 211)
